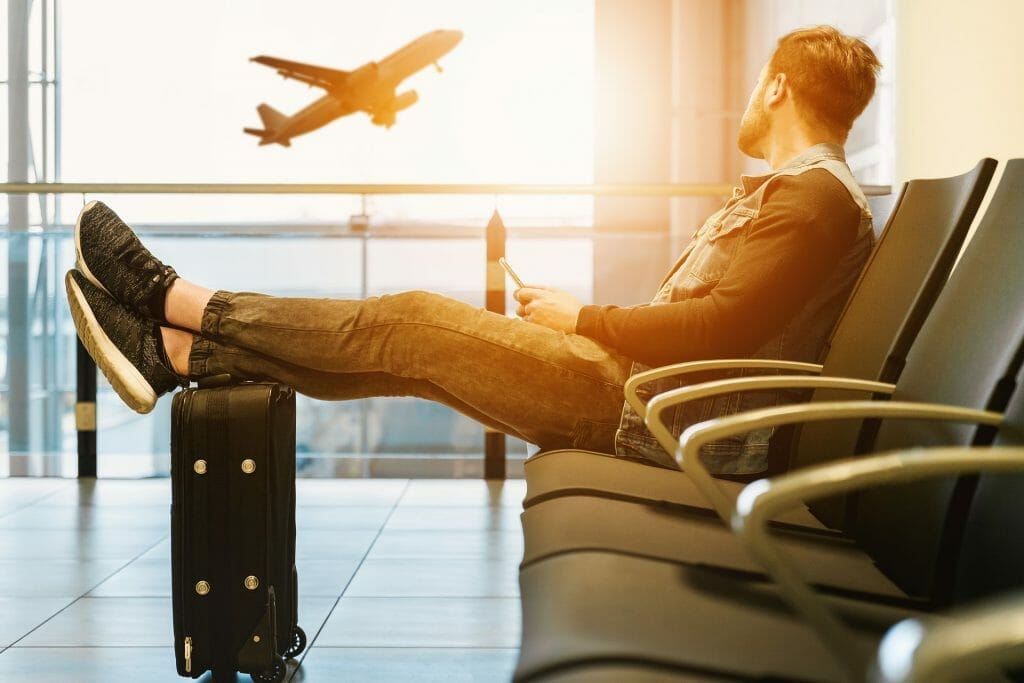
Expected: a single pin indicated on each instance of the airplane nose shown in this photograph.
(453, 37)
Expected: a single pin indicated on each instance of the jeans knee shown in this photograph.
(413, 297)
(413, 304)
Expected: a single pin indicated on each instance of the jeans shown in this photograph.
(548, 388)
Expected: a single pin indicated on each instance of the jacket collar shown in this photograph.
(808, 157)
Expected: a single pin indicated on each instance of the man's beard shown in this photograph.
(753, 130)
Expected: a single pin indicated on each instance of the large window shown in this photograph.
(140, 92)
(150, 93)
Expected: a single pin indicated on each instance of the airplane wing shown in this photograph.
(307, 73)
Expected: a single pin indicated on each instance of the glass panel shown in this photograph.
(512, 105)
(35, 28)
(4, 368)
(3, 52)
(4, 132)
(35, 116)
(45, 348)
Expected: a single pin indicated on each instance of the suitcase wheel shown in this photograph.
(273, 675)
(298, 643)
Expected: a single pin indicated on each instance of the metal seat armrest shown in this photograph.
(639, 379)
(674, 397)
(763, 499)
(695, 436)
(970, 644)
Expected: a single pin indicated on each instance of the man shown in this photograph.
(765, 276)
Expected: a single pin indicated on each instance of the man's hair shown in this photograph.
(832, 75)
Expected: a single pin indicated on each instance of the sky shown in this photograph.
(161, 92)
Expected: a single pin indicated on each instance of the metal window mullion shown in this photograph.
(57, 86)
(44, 6)
(17, 256)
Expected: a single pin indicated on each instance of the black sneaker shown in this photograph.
(125, 346)
(112, 258)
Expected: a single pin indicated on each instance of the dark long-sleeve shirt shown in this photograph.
(805, 224)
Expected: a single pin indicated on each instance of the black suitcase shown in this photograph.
(233, 531)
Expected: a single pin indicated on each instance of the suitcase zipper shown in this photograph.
(188, 654)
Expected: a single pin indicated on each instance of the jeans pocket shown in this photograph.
(590, 435)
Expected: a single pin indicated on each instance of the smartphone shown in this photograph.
(511, 273)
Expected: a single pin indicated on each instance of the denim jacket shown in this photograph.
(802, 339)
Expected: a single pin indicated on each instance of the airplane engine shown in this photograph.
(404, 101)
(384, 115)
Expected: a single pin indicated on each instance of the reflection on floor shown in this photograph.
(399, 580)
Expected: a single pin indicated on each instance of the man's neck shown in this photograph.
(791, 141)
(778, 155)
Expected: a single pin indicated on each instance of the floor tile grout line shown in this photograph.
(89, 590)
(88, 647)
(430, 597)
(58, 490)
(416, 647)
(312, 640)
(34, 501)
(164, 537)
(361, 564)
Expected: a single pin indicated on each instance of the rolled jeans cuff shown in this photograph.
(210, 324)
(202, 344)
(199, 357)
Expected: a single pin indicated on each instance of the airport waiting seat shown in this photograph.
(565, 514)
(969, 352)
(592, 612)
(972, 644)
(975, 333)
(897, 288)
(986, 563)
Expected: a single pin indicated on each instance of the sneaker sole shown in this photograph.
(126, 379)
(80, 263)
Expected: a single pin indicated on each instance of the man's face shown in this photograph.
(755, 124)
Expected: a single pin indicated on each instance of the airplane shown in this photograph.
(370, 88)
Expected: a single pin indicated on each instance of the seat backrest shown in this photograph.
(968, 353)
(898, 287)
(882, 206)
(991, 559)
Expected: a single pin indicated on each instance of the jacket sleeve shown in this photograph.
(805, 224)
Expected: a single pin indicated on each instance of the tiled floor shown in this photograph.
(398, 580)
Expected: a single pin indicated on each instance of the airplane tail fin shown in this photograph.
(273, 120)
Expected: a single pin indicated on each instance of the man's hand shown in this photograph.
(548, 307)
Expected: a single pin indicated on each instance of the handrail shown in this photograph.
(378, 231)
(361, 188)
(656, 190)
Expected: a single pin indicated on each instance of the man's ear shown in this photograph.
(777, 90)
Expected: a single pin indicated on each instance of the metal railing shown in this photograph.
(621, 190)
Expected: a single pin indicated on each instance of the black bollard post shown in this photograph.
(494, 441)
(85, 412)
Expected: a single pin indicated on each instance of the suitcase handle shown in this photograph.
(216, 381)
